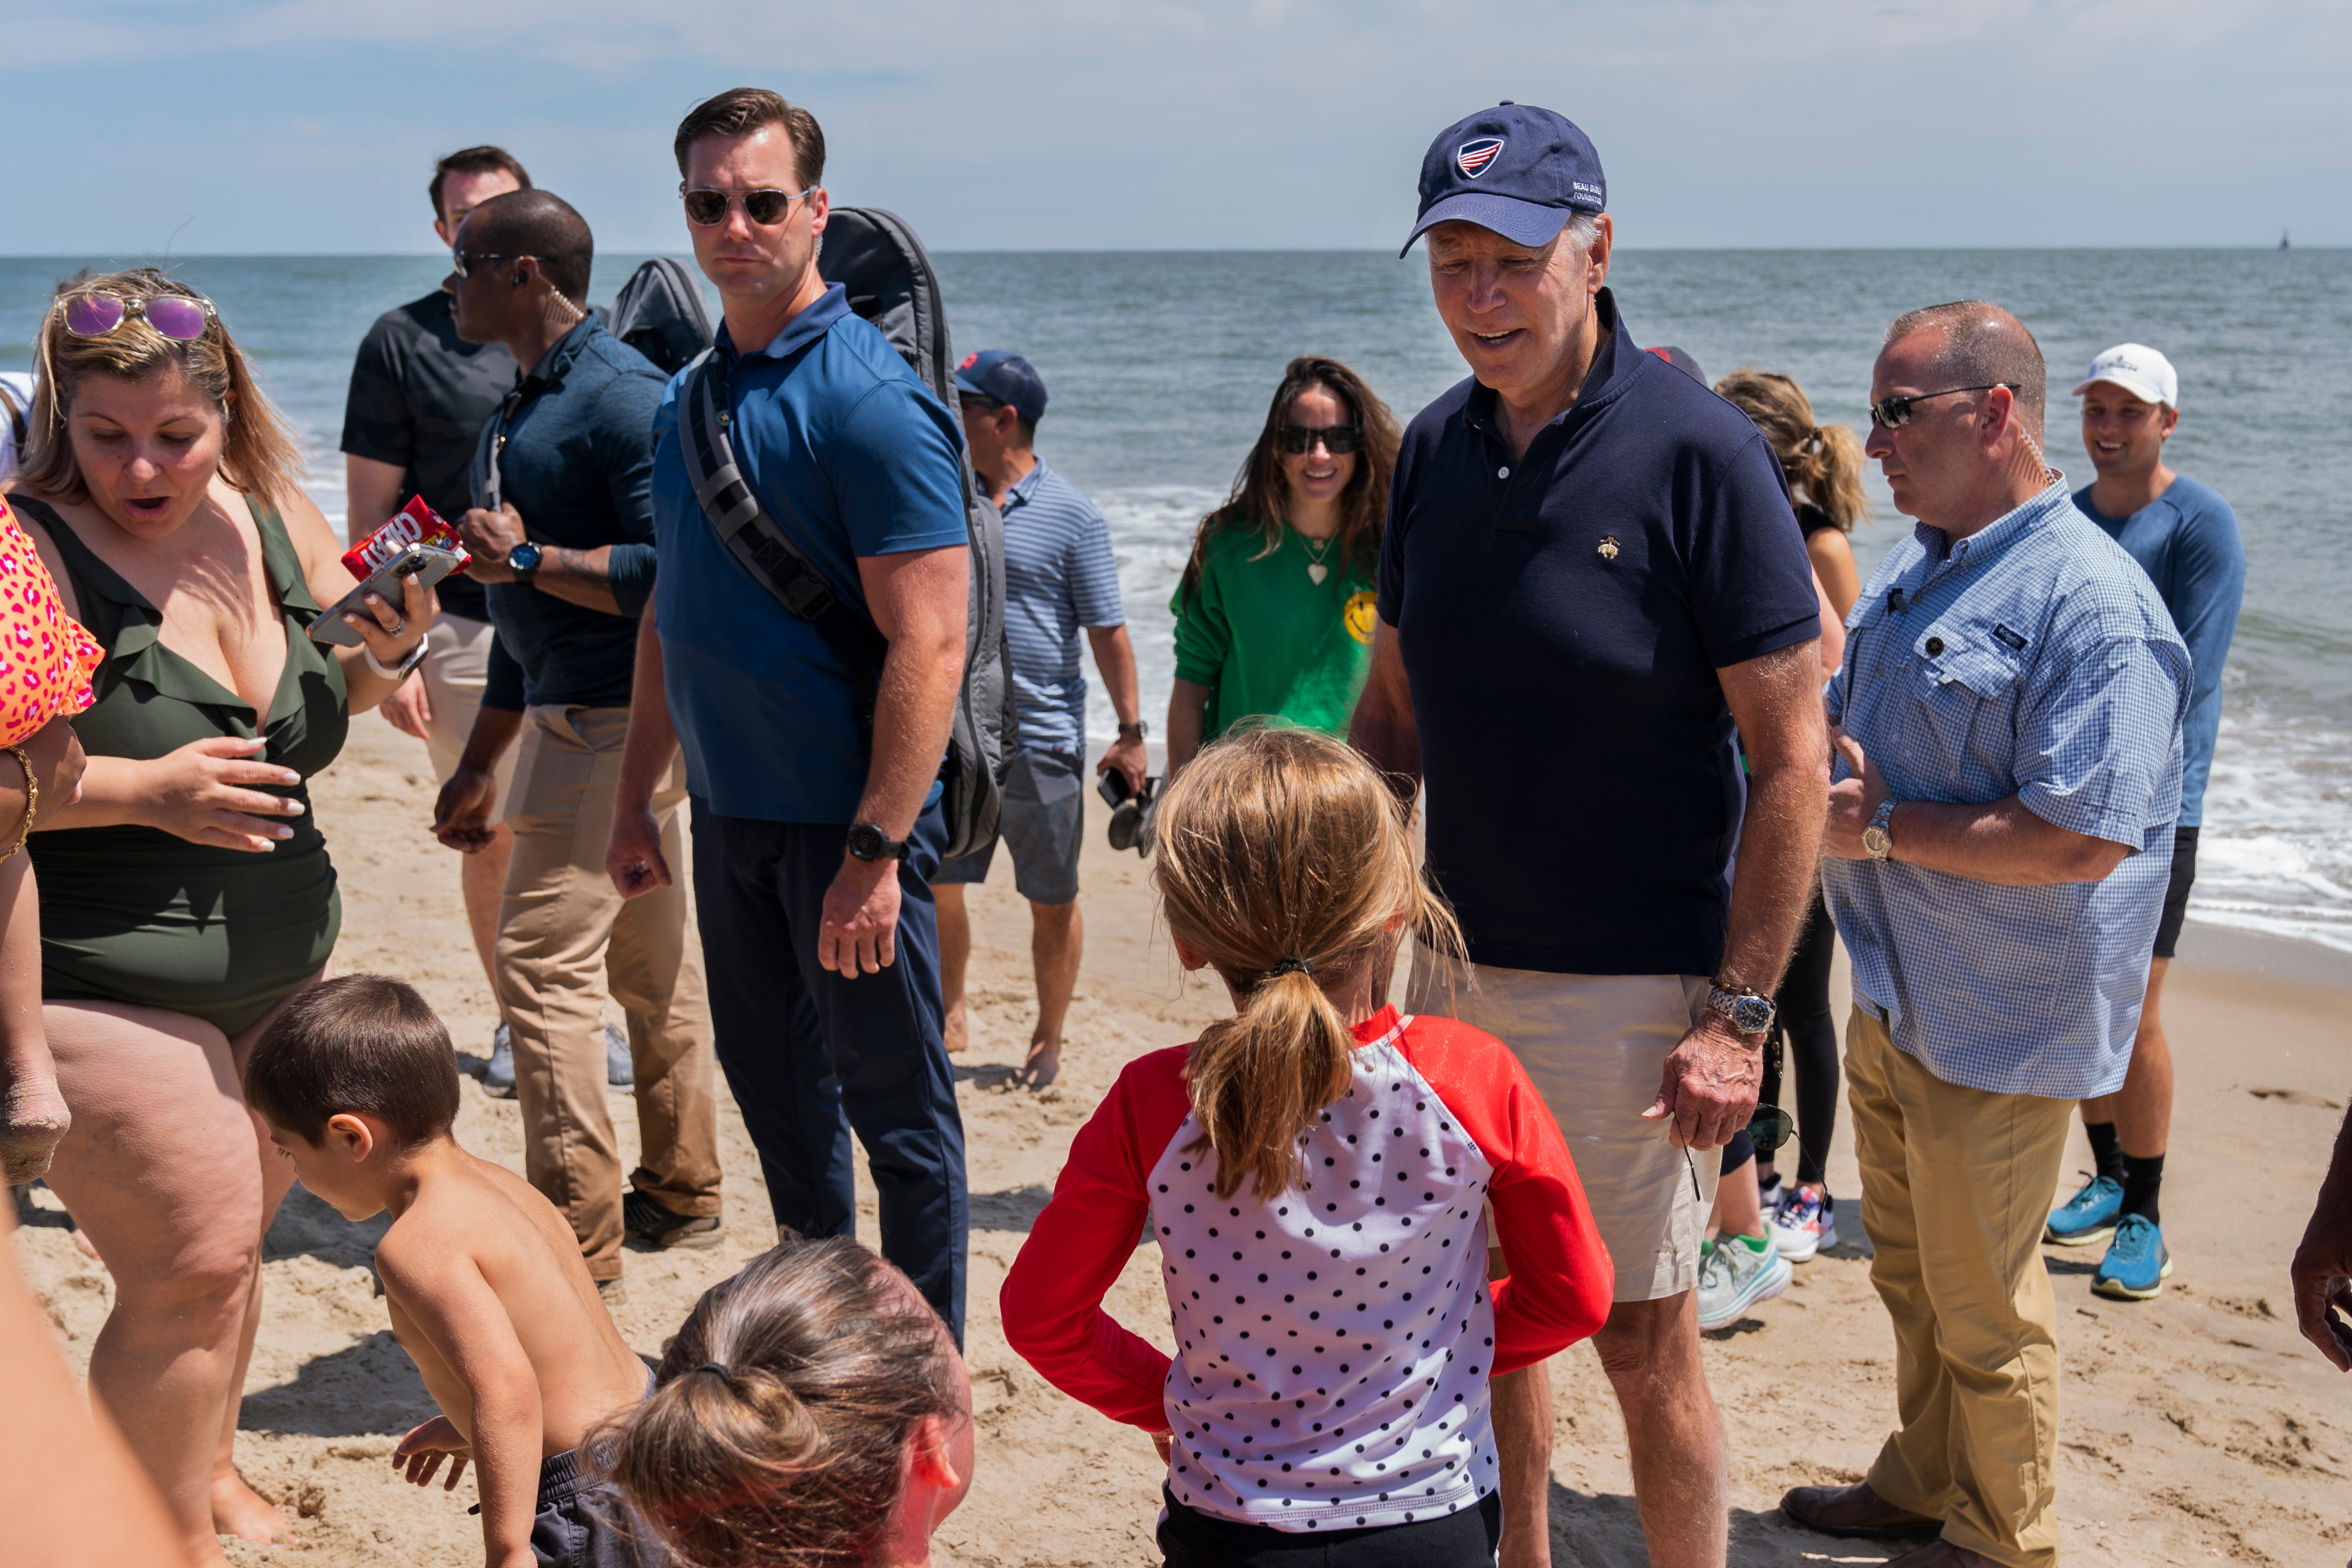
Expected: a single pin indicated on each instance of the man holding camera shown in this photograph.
(1059, 577)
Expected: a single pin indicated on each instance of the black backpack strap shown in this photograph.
(765, 551)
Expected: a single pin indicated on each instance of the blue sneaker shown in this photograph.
(2089, 1216)
(2138, 1262)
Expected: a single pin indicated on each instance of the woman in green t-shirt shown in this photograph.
(1273, 617)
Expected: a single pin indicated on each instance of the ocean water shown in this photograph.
(1159, 366)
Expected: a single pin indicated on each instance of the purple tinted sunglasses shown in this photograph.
(182, 318)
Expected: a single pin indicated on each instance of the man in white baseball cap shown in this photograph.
(2185, 537)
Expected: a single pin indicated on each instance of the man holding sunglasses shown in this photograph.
(816, 826)
(2008, 756)
(1590, 573)
(1059, 578)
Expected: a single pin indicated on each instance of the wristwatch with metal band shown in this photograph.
(524, 559)
(868, 842)
(1749, 1013)
(1878, 839)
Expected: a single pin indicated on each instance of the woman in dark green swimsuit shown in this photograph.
(187, 891)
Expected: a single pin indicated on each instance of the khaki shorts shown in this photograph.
(455, 674)
(1595, 1046)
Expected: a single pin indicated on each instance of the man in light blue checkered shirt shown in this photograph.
(2008, 752)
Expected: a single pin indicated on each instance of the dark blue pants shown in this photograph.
(811, 1055)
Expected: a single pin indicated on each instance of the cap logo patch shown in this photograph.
(970, 360)
(1474, 158)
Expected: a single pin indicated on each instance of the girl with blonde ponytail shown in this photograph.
(1317, 1174)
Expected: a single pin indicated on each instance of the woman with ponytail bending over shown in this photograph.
(811, 1411)
(1318, 1172)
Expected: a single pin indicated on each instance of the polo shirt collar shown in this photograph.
(1612, 368)
(2004, 530)
(815, 320)
(1024, 489)
(553, 364)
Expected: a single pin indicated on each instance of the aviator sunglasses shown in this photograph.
(1339, 440)
(764, 207)
(182, 318)
(1896, 412)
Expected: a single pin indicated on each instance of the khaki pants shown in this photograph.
(565, 932)
(455, 672)
(1955, 1186)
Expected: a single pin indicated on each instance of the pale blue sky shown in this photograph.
(133, 128)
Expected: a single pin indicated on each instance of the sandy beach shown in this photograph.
(2196, 1428)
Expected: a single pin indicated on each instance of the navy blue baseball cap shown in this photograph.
(1003, 377)
(1515, 169)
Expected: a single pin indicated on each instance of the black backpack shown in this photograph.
(890, 281)
(659, 313)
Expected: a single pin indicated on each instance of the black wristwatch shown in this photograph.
(1747, 1011)
(523, 559)
(868, 842)
(1135, 731)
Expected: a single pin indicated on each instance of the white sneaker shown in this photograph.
(1804, 1224)
(1736, 1277)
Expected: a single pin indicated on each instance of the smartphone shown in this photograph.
(1112, 786)
(422, 562)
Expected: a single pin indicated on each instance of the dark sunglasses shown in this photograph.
(1769, 1130)
(458, 259)
(182, 318)
(766, 208)
(1896, 412)
(1338, 440)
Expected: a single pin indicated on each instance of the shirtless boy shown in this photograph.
(358, 1085)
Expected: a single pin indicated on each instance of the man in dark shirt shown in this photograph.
(1590, 576)
(419, 396)
(562, 530)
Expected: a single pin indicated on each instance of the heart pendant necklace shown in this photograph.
(1315, 550)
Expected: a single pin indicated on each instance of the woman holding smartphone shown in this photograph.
(1275, 614)
(186, 894)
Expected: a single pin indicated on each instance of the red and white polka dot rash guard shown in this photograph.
(1334, 1345)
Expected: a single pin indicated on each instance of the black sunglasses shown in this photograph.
(1896, 412)
(1339, 440)
(764, 207)
(1769, 1129)
(457, 259)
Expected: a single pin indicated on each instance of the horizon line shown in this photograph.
(1227, 250)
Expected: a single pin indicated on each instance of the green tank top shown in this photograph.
(135, 914)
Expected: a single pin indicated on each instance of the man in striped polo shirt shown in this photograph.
(1059, 578)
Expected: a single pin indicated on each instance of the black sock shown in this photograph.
(2142, 1179)
(2105, 1152)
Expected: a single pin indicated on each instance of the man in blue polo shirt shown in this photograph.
(814, 843)
(1059, 577)
(1590, 573)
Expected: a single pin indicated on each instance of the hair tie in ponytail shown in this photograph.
(719, 1367)
(1292, 966)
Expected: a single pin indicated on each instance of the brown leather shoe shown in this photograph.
(1856, 1511)
(1943, 1555)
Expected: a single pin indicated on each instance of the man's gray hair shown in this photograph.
(1983, 344)
(1583, 231)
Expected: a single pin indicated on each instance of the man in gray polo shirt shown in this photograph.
(1059, 577)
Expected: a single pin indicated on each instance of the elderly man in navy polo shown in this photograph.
(1591, 571)
(1999, 844)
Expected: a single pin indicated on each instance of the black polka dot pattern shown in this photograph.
(1333, 1343)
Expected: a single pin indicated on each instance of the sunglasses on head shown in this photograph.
(95, 312)
(1896, 412)
(1336, 439)
(764, 207)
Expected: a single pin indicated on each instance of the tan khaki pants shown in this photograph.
(565, 934)
(1955, 1186)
